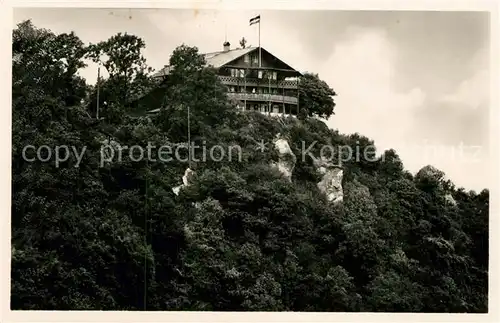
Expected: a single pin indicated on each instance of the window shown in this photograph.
(242, 73)
(233, 72)
(260, 74)
(255, 58)
(275, 75)
(247, 58)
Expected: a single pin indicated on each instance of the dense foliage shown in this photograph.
(316, 96)
(114, 236)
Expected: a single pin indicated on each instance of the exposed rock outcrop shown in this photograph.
(185, 181)
(449, 199)
(331, 182)
(286, 157)
(109, 148)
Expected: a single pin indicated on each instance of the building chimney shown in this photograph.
(227, 46)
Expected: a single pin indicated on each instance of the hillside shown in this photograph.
(273, 228)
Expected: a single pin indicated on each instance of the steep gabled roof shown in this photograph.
(215, 59)
(220, 58)
(279, 60)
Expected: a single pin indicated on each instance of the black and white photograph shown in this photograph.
(253, 160)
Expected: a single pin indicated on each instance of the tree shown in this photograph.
(316, 96)
(48, 63)
(192, 84)
(60, 226)
(121, 56)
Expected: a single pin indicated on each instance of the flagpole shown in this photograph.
(98, 77)
(269, 88)
(245, 80)
(189, 137)
(260, 52)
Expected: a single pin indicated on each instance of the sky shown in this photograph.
(417, 82)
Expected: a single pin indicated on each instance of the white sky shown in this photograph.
(408, 80)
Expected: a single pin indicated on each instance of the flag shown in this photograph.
(255, 20)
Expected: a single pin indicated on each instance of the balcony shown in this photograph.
(275, 98)
(230, 80)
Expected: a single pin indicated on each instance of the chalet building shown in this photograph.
(255, 78)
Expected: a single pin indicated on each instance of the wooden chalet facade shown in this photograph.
(269, 87)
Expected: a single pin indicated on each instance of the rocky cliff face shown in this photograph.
(449, 199)
(286, 157)
(332, 175)
(185, 181)
(331, 182)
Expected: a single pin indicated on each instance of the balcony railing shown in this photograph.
(230, 80)
(275, 98)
